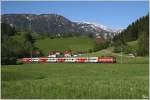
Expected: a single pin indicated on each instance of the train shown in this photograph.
(69, 60)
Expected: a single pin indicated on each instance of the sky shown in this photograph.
(113, 14)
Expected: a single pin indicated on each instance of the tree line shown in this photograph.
(137, 31)
(15, 44)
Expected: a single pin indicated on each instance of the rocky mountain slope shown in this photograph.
(53, 24)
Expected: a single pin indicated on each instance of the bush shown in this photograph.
(128, 50)
(90, 50)
(8, 60)
(19, 62)
(100, 46)
(123, 48)
(117, 50)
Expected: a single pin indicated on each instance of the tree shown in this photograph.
(29, 37)
(143, 44)
(14, 45)
(8, 56)
(7, 44)
(133, 31)
(100, 44)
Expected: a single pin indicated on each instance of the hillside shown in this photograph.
(133, 44)
(126, 59)
(73, 43)
(53, 25)
(134, 30)
(137, 31)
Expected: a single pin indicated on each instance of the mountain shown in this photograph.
(97, 29)
(44, 24)
(99, 25)
(55, 25)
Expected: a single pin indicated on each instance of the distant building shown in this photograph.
(60, 54)
(67, 53)
(51, 54)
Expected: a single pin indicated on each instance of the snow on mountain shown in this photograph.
(99, 29)
(53, 24)
(94, 25)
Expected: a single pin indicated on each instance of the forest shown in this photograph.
(137, 31)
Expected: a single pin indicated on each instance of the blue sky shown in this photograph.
(114, 14)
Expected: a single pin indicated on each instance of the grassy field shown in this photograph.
(126, 79)
(68, 80)
(73, 43)
(126, 59)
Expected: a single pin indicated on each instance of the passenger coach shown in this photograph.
(70, 59)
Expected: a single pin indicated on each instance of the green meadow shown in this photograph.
(71, 43)
(126, 79)
(75, 80)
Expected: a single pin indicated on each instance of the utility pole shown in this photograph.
(31, 44)
(121, 55)
(48, 26)
(135, 54)
(30, 33)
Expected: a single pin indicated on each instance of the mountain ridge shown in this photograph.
(52, 24)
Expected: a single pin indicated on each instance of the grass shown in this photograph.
(133, 43)
(80, 80)
(73, 43)
(128, 80)
(126, 59)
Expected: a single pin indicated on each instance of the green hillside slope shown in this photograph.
(73, 43)
(133, 44)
